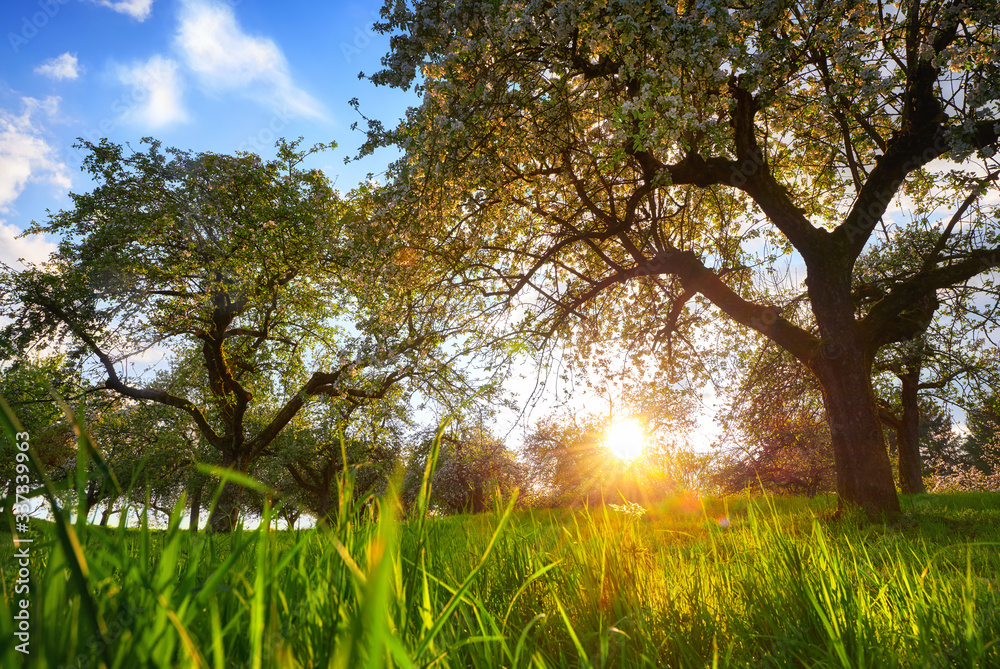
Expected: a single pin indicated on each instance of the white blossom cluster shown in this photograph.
(950, 477)
(629, 509)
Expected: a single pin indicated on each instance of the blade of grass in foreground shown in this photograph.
(371, 637)
(64, 531)
(457, 596)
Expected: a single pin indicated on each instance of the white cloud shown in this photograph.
(156, 96)
(224, 58)
(137, 9)
(33, 249)
(61, 67)
(25, 154)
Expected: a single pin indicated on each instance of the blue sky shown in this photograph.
(204, 75)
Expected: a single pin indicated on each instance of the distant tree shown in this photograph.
(567, 459)
(152, 452)
(972, 463)
(984, 430)
(26, 384)
(569, 463)
(936, 434)
(148, 448)
(950, 358)
(312, 461)
(473, 467)
(776, 432)
(267, 285)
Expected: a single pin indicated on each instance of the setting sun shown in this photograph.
(625, 439)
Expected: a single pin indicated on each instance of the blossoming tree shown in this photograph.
(657, 152)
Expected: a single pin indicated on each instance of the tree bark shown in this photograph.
(196, 506)
(478, 499)
(908, 437)
(322, 506)
(226, 513)
(843, 366)
(864, 473)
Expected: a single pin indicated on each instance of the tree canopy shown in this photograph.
(258, 282)
(642, 156)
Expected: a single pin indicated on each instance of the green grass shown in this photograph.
(738, 582)
(783, 585)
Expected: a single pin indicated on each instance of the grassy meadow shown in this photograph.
(692, 582)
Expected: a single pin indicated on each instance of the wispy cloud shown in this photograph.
(156, 97)
(32, 249)
(60, 67)
(137, 9)
(224, 58)
(25, 153)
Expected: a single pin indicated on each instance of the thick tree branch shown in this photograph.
(922, 135)
(916, 291)
(748, 173)
(696, 278)
(115, 383)
(888, 418)
(327, 383)
(259, 334)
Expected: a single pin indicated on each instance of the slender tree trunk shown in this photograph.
(291, 517)
(93, 494)
(196, 505)
(908, 438)
(107, 512)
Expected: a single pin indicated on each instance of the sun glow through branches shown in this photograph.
(625, 439)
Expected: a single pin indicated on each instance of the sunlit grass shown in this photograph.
(593, 587)
(779, 584)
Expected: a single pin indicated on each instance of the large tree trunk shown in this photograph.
(478, 499)
(911, 479)
(226, 513)
(322, 507)
(843, 367)
(864, 473)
